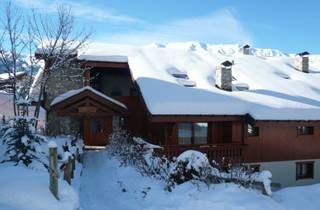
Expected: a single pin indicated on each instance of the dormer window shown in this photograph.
(177, 73)
(253, 130)
(305, 130)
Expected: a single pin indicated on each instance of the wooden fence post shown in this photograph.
(73, 164)
(68, 170)
(78, 154)
(53, 169)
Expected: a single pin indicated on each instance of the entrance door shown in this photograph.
(98, 130)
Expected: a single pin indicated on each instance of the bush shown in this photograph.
(22, 144)
(190, 165)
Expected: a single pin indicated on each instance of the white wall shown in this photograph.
(284, 172)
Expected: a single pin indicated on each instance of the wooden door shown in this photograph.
(97, 131)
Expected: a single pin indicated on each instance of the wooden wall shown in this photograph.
(218, 132)
(279, 141)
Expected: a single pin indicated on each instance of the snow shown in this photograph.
(52, 144)
(107, 185)
(276, 90)
(71, 93)
(145, 143)
(27, 189)
(194, 159)
(265, 178)
(113, 58)
(5, 76)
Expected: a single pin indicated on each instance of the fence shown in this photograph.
(68, 167)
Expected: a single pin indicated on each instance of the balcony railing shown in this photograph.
(218, 152)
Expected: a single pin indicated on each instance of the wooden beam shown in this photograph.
(194, 118)
(103, 64)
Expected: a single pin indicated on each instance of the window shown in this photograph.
(200, 133)
(96, 126)
(193, 133)
(253, 131)
(118, 122)
(305, 130)
(185, 133)
(304, 170)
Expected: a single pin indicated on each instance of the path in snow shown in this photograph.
(92, 188)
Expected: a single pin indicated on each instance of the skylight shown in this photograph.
(177, 73)
(186, 82)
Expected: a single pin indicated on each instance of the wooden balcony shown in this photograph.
(230, 152)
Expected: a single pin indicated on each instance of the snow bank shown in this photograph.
(270, 95)
(299, 198)
(27, 189)
(113, 184)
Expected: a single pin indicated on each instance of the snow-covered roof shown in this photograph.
(71, 93)
(271, 96)
(5, 76)
(6, 108)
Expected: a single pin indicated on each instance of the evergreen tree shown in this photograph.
(21, 141)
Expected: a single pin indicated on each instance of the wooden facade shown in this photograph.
(227, 135)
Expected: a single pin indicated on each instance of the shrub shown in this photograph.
(190, 165)
(22, 144)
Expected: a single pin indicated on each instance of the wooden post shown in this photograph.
(73, 164)
(53, 169)
(78, 154)
(68, 170)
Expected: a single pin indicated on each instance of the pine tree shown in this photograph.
(22, 142)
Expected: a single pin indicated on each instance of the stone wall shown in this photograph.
(224, 78)
(61, 81)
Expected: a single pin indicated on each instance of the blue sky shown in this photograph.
(288, 25)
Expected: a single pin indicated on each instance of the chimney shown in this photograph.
(224, 76)
(245, 49)
(301, 61)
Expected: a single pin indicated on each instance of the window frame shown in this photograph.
(192, 141)
(255, 131)
(308, 175)
(305, 130)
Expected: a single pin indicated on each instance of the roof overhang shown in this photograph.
(87, 102)
(194, 118)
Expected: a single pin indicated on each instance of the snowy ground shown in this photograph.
(27, 189)
(105, 185)
(23, 188)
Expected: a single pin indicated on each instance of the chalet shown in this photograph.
(251, 109)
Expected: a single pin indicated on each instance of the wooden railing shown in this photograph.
(217, 152)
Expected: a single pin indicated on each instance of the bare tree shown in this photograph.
(12, 45)
(59, 42)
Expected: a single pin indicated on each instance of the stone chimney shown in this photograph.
(224, 76)
(245, 49)
(301, 62)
